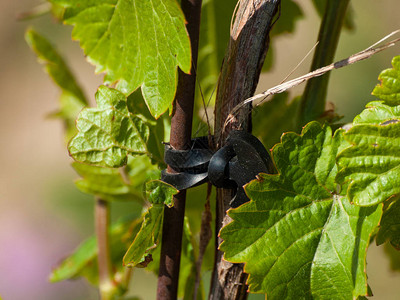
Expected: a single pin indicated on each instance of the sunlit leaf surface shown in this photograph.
(158, 194)
(371, 166)
(136, 43)
(108, 133)
(299, 237)
(72, 99)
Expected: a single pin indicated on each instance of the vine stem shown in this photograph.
(240, 73)
(313, 101)
(181, 129)
(102, 219)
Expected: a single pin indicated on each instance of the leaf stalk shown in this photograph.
(102, 220)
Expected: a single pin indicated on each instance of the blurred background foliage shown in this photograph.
(43, 216)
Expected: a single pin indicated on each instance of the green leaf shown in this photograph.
(137, 43)
(105, 183)
(54, 65)
(299, 238)
(159, 192)
(159, 129)
(83, 262)
(109, 184)
(148, 237)
(140, 170)
(108, 133)
(371, 166)
(275, 117)
(389, 229)
(389, 89)
(72, 99)
(377, 112)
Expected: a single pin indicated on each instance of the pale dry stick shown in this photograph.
(300, 63)
(383, 39)
(295, 68)
(365, 54)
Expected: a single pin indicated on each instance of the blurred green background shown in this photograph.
(43, 216)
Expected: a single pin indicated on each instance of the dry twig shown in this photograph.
(365, 54)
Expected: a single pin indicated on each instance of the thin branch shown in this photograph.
(102, 218)
(181, 129)
(300, 62)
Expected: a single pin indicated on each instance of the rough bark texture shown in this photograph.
(238, 80)
(181, 129)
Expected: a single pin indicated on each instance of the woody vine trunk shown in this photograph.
(240, 73)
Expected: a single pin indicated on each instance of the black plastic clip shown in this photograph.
(241, 159)
(191, 165)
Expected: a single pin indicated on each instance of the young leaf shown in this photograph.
(297, 236)
(371, 165)
(83, 262)
(108, 133)
(137, 43)
(377, 112)
(158, 193)
(389, 230)
(105, 183)
(389, 89)
(109, 184)
(72, 99)
(147, 237)
(140, 170)
(159, 129)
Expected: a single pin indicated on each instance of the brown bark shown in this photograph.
(181, 128)
(238, 80)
